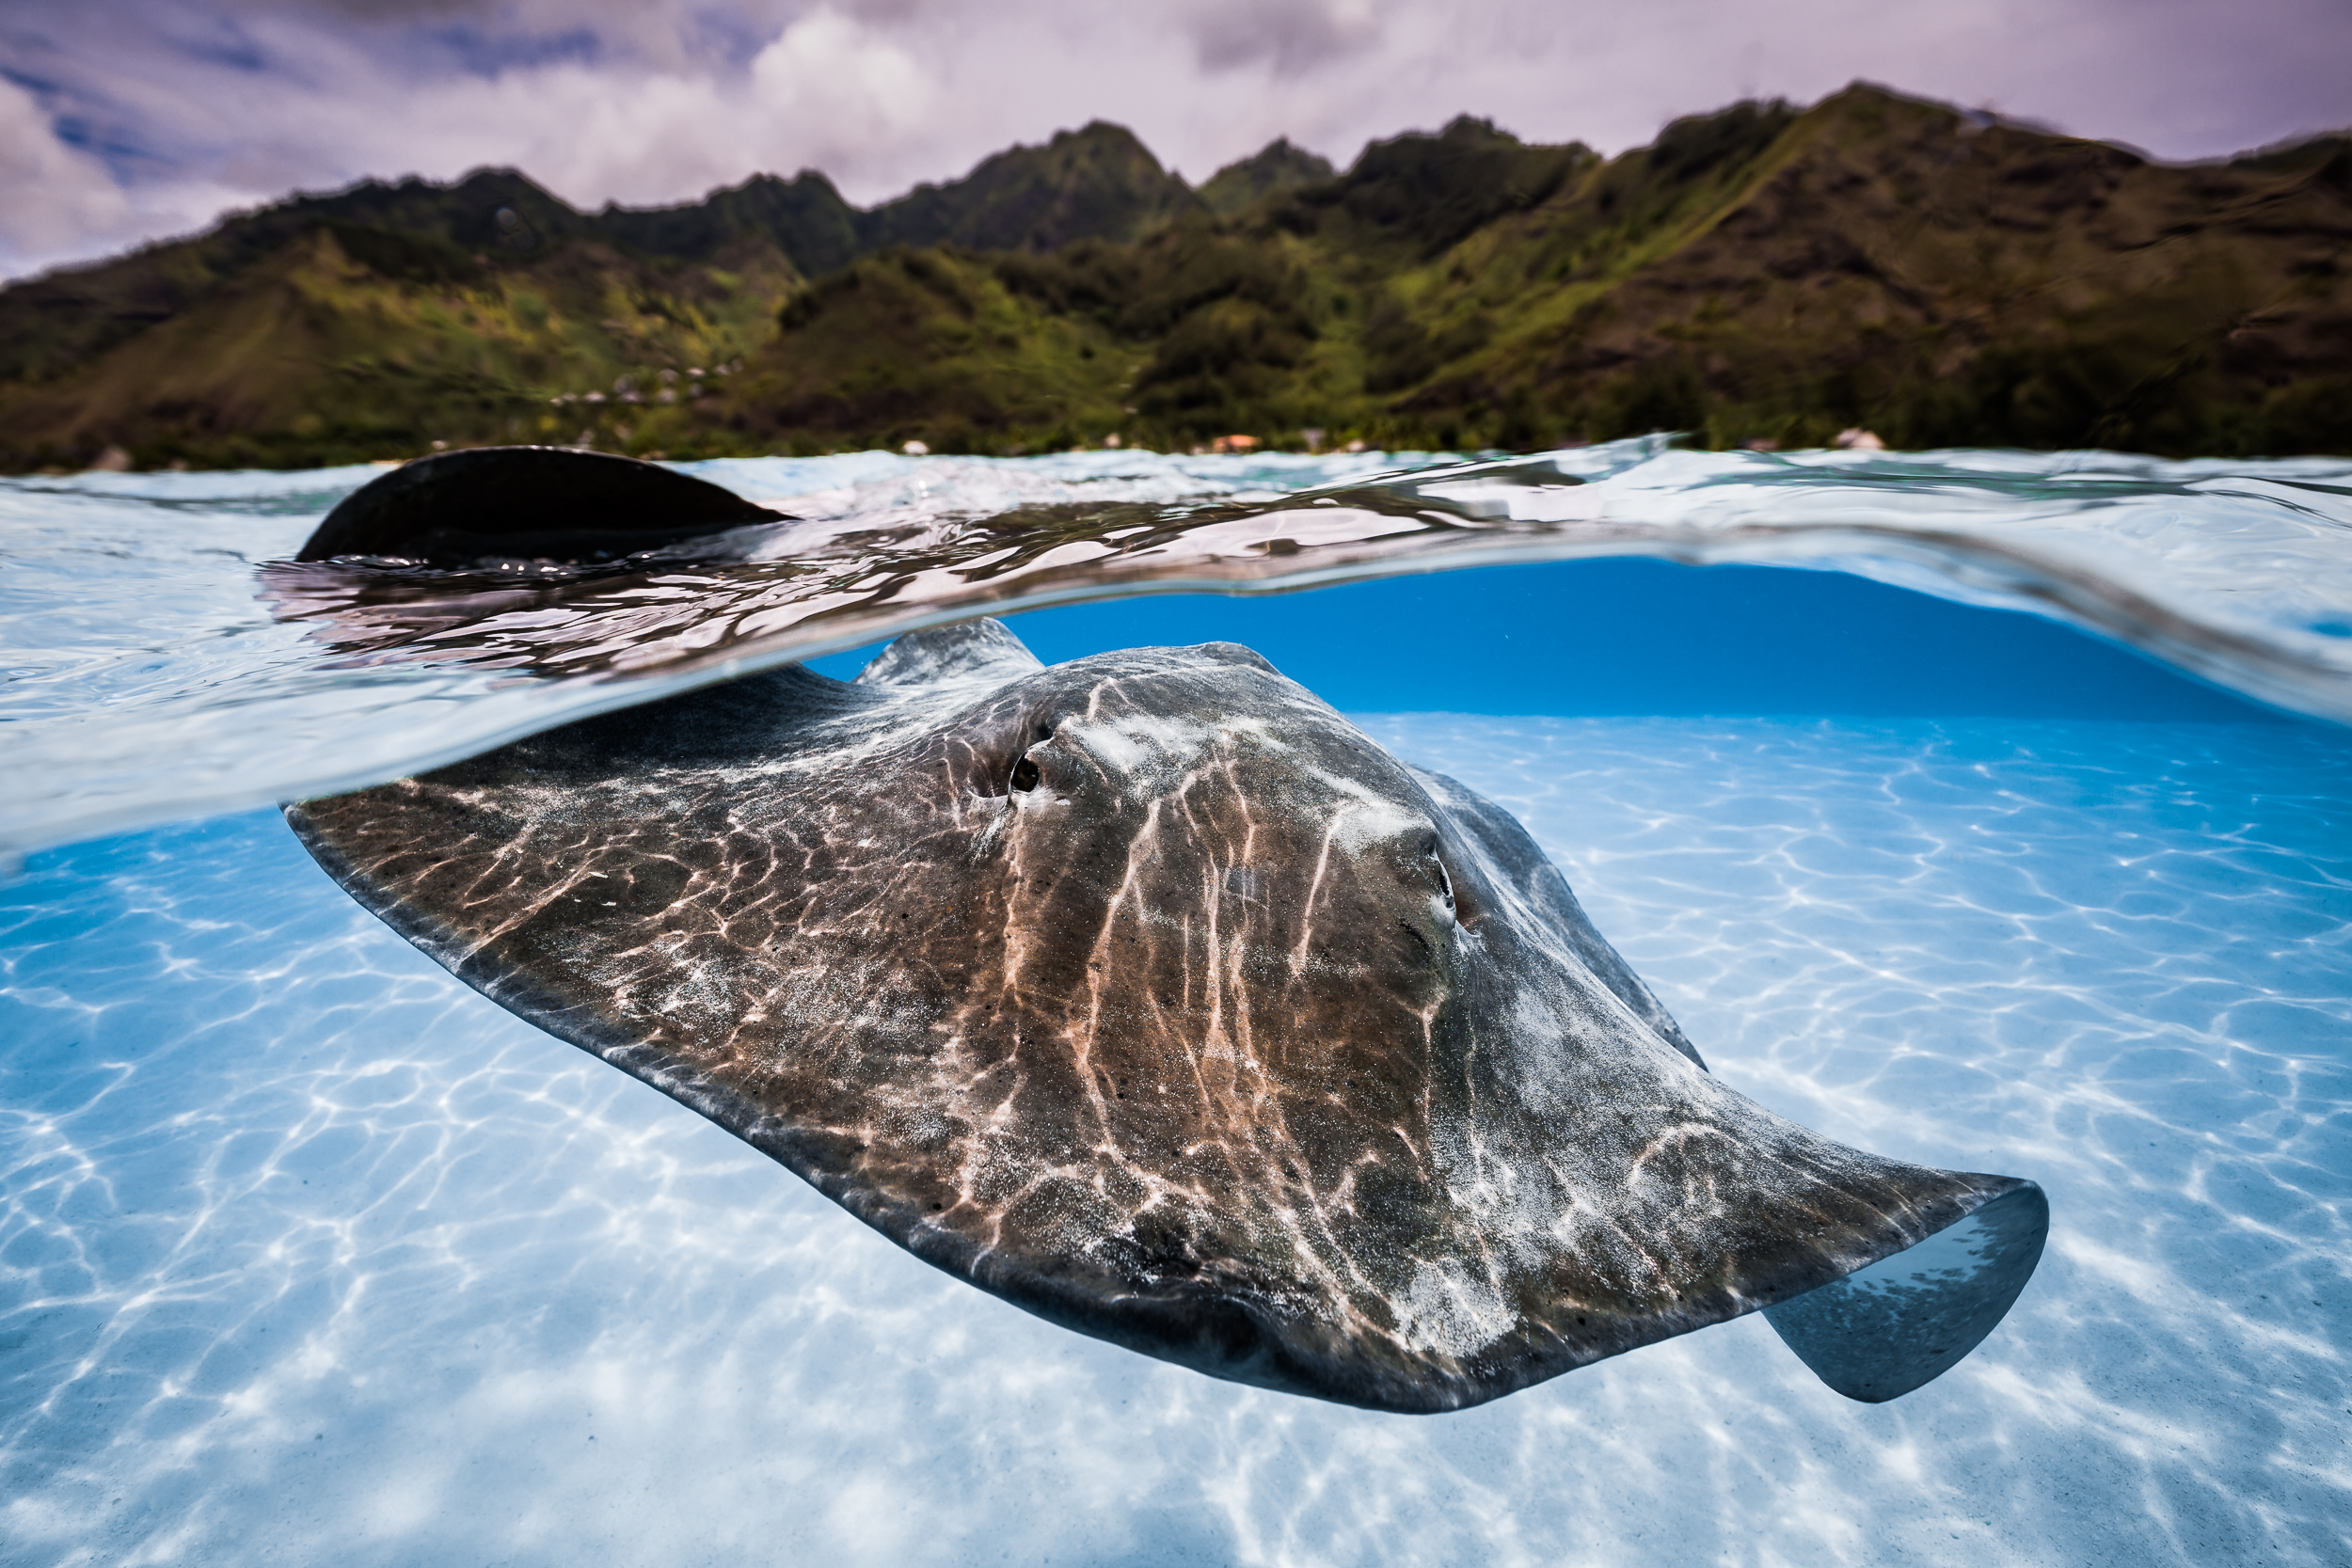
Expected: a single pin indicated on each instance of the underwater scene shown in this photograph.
(1985, 811)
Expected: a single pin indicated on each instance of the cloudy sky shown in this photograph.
(126, 120)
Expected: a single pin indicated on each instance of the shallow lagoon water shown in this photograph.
(308, 1250)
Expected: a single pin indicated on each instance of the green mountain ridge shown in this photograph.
(1764, 273)
(1275, 167)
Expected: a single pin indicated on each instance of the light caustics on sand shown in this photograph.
(169, 661)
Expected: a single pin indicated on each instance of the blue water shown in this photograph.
(308, 1252)
(1637, 636)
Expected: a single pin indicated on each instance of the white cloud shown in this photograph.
(827, 91)
(836, 89)
(54, 199)
(60, 203)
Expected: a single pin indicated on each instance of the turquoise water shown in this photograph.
(307, 1251)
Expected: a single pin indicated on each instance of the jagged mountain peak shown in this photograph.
(1278, 165)
(1098, 181)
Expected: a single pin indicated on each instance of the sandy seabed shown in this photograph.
(309, 1254)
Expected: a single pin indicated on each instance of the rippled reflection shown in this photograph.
(880, 561)
(308, 1253)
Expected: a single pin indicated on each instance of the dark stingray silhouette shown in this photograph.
(1148, 993)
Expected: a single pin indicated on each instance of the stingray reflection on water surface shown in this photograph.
(1148, 993)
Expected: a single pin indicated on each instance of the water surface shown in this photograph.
(165, 656)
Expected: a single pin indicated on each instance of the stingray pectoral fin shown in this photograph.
(481, 504)
(1906, 1320)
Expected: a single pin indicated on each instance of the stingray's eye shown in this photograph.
(1462, 902)
(1024, 775)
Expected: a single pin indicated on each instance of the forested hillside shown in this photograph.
(1761, 274)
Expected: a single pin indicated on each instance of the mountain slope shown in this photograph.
(1948, 280)
(326, 351)
(1759, 275)
(1099, 182)
(52, 325)
(804, 217)
(1762, 274)
(1276, 167)
(485, 309)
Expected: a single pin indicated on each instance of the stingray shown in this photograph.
(1150, 994)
